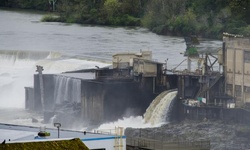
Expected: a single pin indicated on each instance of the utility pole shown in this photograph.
(40, 75)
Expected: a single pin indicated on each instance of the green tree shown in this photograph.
(160, 14)
(241, 9)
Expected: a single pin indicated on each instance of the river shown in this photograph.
(22, 32)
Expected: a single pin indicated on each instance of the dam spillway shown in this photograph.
(98, 101)
(160, 108)
(111, 93)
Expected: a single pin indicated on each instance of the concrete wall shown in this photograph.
(112, 99)
(59, 98)
(92, 101)
(104, 100)
(101, 100)
(126, 99)
(145, 67)
(49, 87)
(125, 60)
(236, 115)
(29, 98)
(237, 66)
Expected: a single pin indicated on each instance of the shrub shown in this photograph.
(245, 31)
(192, 51)
(128, 20)
(51, 18)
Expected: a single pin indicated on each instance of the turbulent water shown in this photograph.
(156, 113)
(26, 42)
(17, 69)
(64, 87)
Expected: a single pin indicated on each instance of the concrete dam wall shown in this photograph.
(91, 101)
(125, 89)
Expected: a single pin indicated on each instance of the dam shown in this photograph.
(210, 90)
(101, 94)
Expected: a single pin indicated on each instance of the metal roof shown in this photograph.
(11, 133)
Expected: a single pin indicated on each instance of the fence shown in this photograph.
(151, 144)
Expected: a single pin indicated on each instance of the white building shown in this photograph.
(93, 140)
(237, 67)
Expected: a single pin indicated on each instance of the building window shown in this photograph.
(229, 89)
(247, 56)
(229, 86)
(247, 89)
(237, 90)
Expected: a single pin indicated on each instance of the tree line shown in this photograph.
(206, 18)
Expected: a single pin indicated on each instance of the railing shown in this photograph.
(151, 144)
(205, 88)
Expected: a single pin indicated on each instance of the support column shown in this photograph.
(39, 70)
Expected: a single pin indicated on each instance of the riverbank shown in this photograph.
(221, 135)
(173, 18)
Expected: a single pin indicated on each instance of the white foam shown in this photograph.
(154, 116)
(156, 113)
(17, 74)
(126, 122)
(12, 85)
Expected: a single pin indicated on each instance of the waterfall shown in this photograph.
(18, 55)
(157, 112)
(16, 71)
(67, 89)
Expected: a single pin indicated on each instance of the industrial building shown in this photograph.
(221, 94)
(217, 88)
(129, 85)
(237, 68)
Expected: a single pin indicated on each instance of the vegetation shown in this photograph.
(192, 51)
(51, 18)
(205, 18)
(26, 4)
(73, 144)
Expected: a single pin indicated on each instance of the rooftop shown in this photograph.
(16, 133)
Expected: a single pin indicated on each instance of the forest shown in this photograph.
(204, 18)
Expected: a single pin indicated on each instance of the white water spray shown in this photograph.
(67, 89)
(16, 72)
(18, 67)
(157, 112)
(155, 115)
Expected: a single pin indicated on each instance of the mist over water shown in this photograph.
(13, 78)
(18, 67)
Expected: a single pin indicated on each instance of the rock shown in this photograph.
(230, 136)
